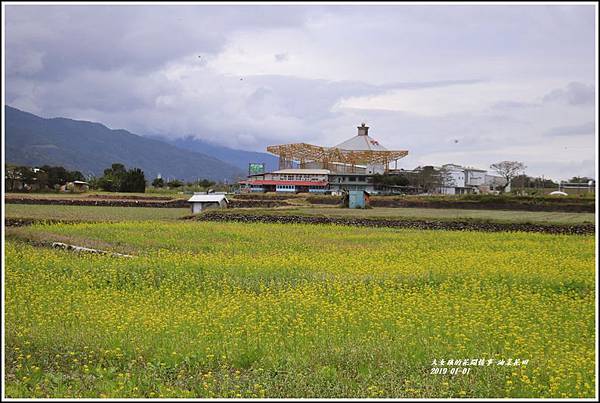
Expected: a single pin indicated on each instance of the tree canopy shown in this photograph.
(118, 179)
(508, 170)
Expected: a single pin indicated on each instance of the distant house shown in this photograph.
(75, 187)
(464, 180)
(203, 201)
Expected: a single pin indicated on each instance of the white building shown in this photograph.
(493, 183)
(464, 180)
(289, 181)
(203, 201)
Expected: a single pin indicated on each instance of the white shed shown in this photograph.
(202, 202)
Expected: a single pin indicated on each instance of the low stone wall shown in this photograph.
(328, 200)
(383, 201)
(474, 205)
(129, 197)
(265, 196)
(178, 203)
(236, 203)
(580, 229)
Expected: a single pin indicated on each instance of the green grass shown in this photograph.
(210, 309)
(432, 214)
(92, 213)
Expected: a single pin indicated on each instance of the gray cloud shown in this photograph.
(225, 74)
(574, 94)
(281, 57)
(588, 128)
(64, 39)
(508, 105)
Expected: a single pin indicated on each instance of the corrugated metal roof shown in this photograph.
(361, 143)
(303, 171)
(207, 198)
(274, 182)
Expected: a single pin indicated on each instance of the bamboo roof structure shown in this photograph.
(360, 149)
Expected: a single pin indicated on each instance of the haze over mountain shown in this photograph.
(91, 147)
(239, 158)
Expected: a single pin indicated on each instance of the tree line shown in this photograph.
(116, 178)
(45, 177)
(176, 183)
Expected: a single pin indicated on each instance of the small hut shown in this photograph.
(356, 199)
(201, 202)
(75, 187)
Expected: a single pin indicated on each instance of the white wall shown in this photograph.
(456, 178)
(447, 190)
(475, 178)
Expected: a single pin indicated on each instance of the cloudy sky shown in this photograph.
(464, 84)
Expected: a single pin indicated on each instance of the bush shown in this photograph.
(175, 183)
(118, 179)
(133, 181)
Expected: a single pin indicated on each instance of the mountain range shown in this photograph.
(91, 147)
(239, 158)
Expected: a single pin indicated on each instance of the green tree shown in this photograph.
(390, 180)
(112, 178)
(508, 170)
(26, 175)
(133, 181)
(580, 179)
(205, 183)
(175, 183)
(158, 182)
(57, 175)
(75, 176)
(118, 179)
(429, 178)
(19, 174)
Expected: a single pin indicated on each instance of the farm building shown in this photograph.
(358, 164)
(463, 180)
(303, 167)
(359, 154)
(357, 199)
(289, 181)
(201, 202)
(75, 187)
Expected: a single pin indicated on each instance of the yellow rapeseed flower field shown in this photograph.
(269, 310)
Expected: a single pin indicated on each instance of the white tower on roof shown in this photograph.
(361, 142)
(364, 142)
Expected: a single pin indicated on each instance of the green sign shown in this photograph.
(255, 168)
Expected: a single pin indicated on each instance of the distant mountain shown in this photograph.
(239, 158)
(91, 147)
